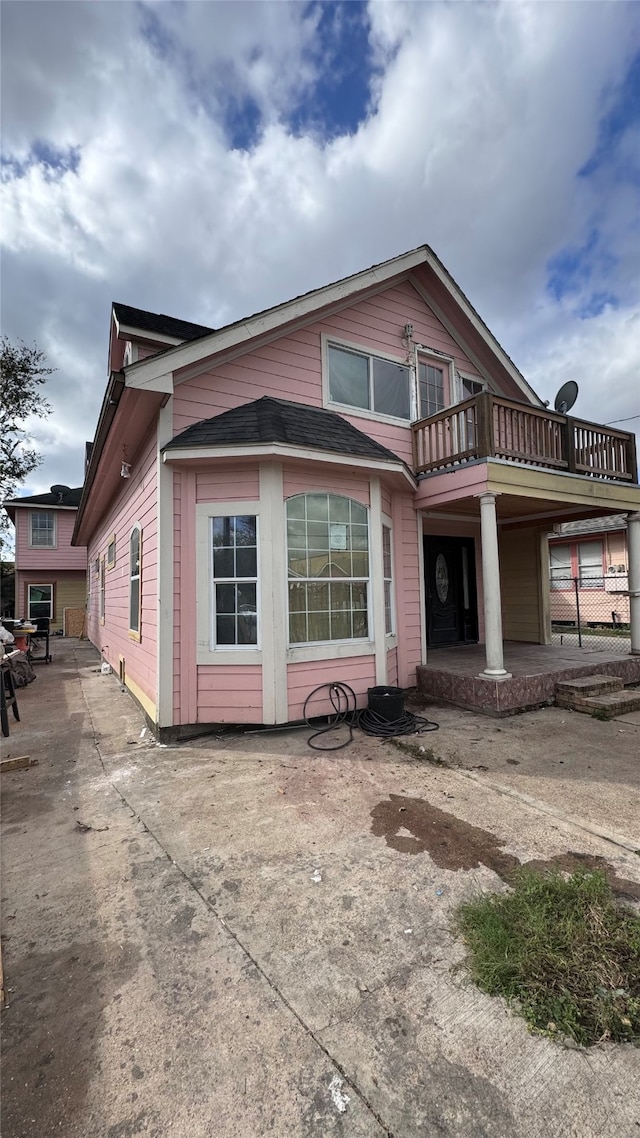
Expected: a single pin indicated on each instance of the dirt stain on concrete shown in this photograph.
(413, 826)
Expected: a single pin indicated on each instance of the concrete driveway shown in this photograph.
(242, 937)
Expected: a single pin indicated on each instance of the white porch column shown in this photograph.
(633, 540)
(495, 668)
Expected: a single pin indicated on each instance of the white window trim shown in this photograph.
(135, 633)
(390, 636)
(213, 581)
(362, 412)
(32, 514)
(223, 654)
(331, 649)
(35, 585)
(459, 376)
(447, 363)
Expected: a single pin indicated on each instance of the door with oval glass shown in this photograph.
(452, 608)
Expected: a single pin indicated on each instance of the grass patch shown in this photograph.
(562, 952)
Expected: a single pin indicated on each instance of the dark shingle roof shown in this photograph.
(159, 323)
(64, 497)
(269, 420)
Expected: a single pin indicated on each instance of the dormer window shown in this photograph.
(42, 529)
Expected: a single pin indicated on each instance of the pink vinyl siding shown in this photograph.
(408, 589)
(177, 588)
(228, 483)
(230, 695)
(136, 503)
(358, 672)
(307, 480)
(63, 556)
(291, 367)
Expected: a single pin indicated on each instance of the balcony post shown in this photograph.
(494, 650)
(633, 542)
(484, 420)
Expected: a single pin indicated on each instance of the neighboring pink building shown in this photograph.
(51, 574)
(594, 556)
(328, 490)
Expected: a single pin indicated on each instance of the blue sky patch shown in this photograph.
(339, 99)
(572, 269)
(621, 117)
(596, 304)
(56, 162)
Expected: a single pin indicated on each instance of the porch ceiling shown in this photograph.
(524, 494)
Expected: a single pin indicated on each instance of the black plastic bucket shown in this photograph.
(388, 703)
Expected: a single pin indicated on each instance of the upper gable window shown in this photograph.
(369, 383)
(431, 385)
(42, 531)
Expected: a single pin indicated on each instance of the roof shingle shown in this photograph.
(270, 420)
(157, 322)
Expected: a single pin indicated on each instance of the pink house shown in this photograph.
(332, 489)
(51, 574)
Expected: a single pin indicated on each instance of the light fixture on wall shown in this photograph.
(125, 468)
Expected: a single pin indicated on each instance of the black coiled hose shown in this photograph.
(343, 700)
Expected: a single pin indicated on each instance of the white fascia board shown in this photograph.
(24, 504)
(479, 326)
(129, 331)
(163, 382)
(264, 450)
(146, 371)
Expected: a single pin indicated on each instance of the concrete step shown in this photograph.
(589, 685)
(612, 703)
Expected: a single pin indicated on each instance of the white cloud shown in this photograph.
(481, 117)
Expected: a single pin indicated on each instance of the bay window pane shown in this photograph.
(225, 598)
(246, 562)
(225, 630)
(298, 628)
(235, 570)
(341, 625)
(223, 563)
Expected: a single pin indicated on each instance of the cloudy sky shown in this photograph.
(211, 159)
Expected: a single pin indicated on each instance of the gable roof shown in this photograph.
(156, 372)
(270, 420)
(158, 323)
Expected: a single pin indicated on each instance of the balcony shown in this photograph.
(488, 426)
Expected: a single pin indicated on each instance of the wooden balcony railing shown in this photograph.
(487, 426)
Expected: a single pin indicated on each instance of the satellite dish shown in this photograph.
(566, 397)
(60, 491)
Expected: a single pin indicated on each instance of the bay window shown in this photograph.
(328, 568)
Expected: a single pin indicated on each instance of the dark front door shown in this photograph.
(452, 610)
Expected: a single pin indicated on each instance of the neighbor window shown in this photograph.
(430, 387)
(234, 542)
(135, 556)
(328, 568)
(43, 528)
(40, 601)
(560, 566)
(368, 382)
(590, 565)
(388, 580)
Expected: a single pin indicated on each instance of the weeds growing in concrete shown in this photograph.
(562, 952)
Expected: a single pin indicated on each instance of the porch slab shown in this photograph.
(452, 675)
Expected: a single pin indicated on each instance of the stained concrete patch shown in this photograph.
(457, 845)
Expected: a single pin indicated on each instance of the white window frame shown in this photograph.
(34, 585)
(135, 633)
(591, 581)
(39, 545)
(460, 376)
(206, 651)
(388, 525)
(214, 646)
(447, 363)
(328, 341)
(111, 545)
